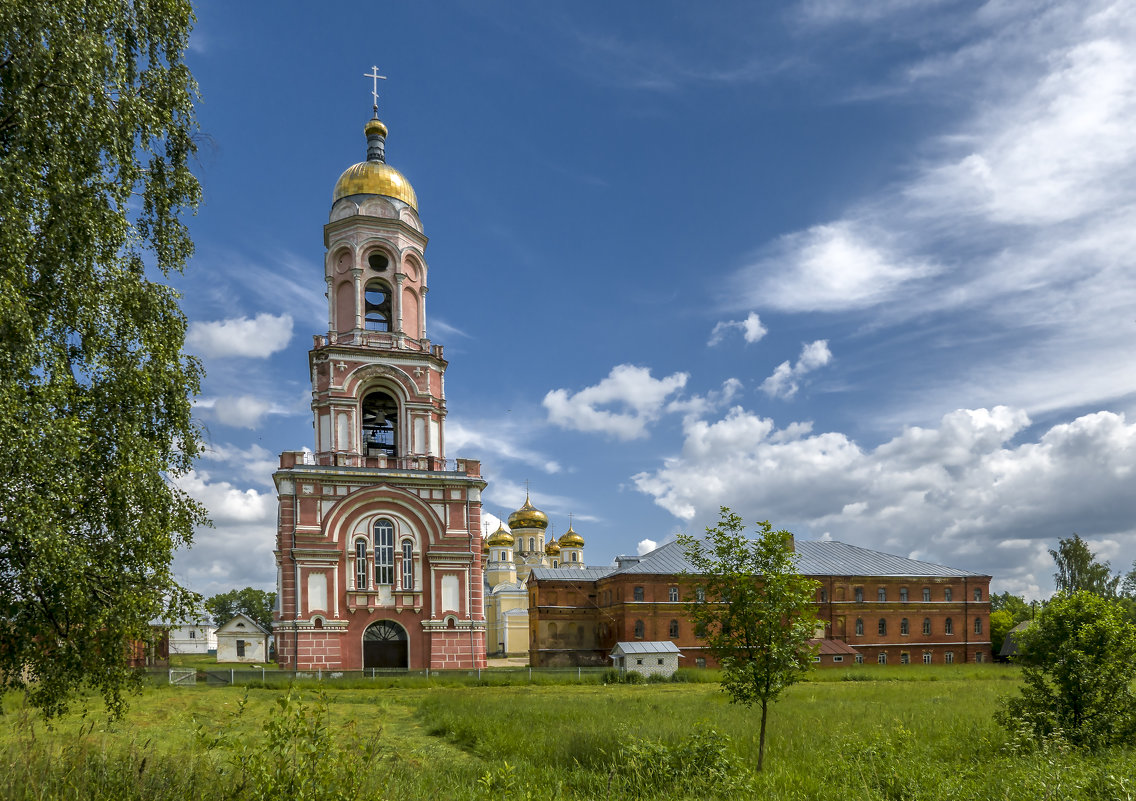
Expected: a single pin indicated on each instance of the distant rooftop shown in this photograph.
(815, 558)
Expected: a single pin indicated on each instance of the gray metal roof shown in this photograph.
(571, 573)
(648, 647)
(816, 558)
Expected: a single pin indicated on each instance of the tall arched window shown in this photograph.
(384, 552)
(377, 306)
(379, 415)
(978, 625)
(532, 544)
(360, 564)
(407, 565)
(948, 626)
(575, 556)
(859, 627)
(674, 629)
(882, 626)
(638, 629)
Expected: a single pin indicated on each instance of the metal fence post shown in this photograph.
(530, 673)
(232, 676)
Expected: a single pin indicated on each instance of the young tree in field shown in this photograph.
(754, 609)
(255, 603)
(96, 132)
(1079, 662)
(1078, 569)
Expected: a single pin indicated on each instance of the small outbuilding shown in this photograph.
(659, 658)
(242, 639)
(1010, 643)
(193, 637)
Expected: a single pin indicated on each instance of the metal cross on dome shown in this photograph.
(375, 78)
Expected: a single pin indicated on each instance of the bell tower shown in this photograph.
(379, 548)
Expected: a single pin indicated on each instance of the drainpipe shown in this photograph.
(469, 584)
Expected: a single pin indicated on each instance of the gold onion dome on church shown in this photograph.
(374, 177)
(571, 539)
(528, 516)
(500, 537)
(552, 549)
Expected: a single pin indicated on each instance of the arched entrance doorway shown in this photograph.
(385, 646)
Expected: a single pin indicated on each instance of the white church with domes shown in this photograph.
(510, 556)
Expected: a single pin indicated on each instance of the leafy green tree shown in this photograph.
(255, 603)
(1078, 569)
(754, 609)
(1006, 611)
(96, 132)
(1079, 661)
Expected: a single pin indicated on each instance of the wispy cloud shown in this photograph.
(623, 404)
(751, 329)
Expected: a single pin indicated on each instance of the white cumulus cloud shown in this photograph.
(255, 337)
(751, 327)
(964, 493)
(784, 382)
(632, 396)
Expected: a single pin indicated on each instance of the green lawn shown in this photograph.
(890, 733)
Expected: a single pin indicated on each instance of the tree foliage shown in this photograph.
(1006, 611)
(754, 609)
(255, 603)
(96, 134)
(1078, 569)
(1079, 661)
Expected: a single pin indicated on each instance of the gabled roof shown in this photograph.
(815, 558)
(250, 625)
(833, 647)
(571, 573)
(648, 647)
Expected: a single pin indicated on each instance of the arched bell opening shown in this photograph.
(377, 306)
(379, 416)
(385, 645)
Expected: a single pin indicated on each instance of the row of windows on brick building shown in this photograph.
(639, 594)
(905, 629)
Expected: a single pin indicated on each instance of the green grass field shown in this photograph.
(870, 733)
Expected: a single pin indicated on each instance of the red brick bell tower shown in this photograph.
(378, 548)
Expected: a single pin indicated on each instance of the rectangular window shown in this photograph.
(384, 552)
(882, 594)
(947, 594)
(978, 655)
(192, 635)
(859, 659)
(949, 657)
(838, 658)
(903, 594)
(672, 593)
(926, 657)
(978, 593)
(859, 595)
(905, 658)
(660, 661)
(638, 661)
(699, 662)
(360, 565)
(816, 658)
(240, 648)
(882, 658)
(638, 593)
(407, 565)
(926, 594)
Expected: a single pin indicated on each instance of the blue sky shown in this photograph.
(865, 270)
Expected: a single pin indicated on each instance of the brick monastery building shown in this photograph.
(875, 607)
(379, 547)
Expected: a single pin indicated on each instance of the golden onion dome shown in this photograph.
(552, 549)
(571, 539)
(528, 516)
(500, 537)
(374, 176)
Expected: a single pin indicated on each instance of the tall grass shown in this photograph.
(882, 735)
